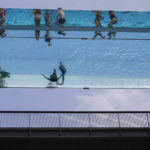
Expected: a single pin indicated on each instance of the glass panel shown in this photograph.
(100, 120)
(14, 120)
(133, 120)
(80, 18)
(122, 62)
(74, 120)
(44, 120)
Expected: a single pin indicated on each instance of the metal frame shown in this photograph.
(89, 131)
(73, 28)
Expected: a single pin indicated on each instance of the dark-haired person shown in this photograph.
(2, 15)
(62, 68)
(47, 18)
(113, 18)
(2, 20)
(53, 77)
(113, 21)
(37, 19)
(98, 17)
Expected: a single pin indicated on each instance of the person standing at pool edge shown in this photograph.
(63, 71)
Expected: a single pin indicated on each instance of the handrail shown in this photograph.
(74, 119)
(73, 28)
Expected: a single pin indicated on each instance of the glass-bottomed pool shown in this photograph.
(90, 63)
(80, 18)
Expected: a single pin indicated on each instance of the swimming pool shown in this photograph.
(90, 63)
(80, 18)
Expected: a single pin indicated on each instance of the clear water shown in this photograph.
(89, 63)
(80, 18)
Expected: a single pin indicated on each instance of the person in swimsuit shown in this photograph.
(98, 17)
(113, 18)
(2, 15)
(2, 20)
(37, 19)
(113, 21)
(47, 18)
(62, 68)
(60, 20)
(47, 23)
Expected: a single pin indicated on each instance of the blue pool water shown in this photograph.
(80, 18)
(89, 63)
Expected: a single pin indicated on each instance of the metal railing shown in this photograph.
(70, 119)
(73, 28)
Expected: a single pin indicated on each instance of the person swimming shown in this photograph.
(98, 17)
(60, 20)
(37, 19)
(113, 21)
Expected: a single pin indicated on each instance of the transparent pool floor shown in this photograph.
(90, 63)
(80, 18)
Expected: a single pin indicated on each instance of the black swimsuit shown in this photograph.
(98, 17)
(62, 20)
(112, 16)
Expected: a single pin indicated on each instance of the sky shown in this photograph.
(76, 99)
(126, 5)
